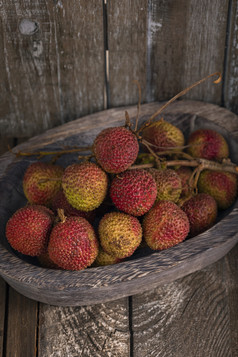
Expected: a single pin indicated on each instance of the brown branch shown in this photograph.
(180, 94)
(46, 153)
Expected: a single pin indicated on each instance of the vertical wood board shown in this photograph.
(127, 31)
(52, 67)
(99, 331)
(186, 42)
(231, 84)
(21, 326)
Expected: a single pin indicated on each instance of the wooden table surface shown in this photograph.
(193, 316)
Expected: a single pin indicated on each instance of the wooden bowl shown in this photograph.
(146, 269)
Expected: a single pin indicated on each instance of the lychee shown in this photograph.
(163, 135)
(165, 225)
(29, 228)
(73, 244)
(201, 210)
(85, 185)
(104, 258)
(133, 191)
(207, 144)
(222, 186)
(115, 149)
(60, 202)
(185, 174)
(41, 182)
(120, 234)
(168, 182)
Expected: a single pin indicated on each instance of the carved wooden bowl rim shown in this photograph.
(128, 277)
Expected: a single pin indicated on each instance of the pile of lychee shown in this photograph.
(140, 188)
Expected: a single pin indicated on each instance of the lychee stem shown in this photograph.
(180, 94)
(46, 153)
(61, 215)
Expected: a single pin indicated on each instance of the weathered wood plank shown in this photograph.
(52, 67)
(186, 41)
(98, 331)
(231, 84)
(231, 281)
(189, 316)
(2, 312)
(127, 22)
(21, 326)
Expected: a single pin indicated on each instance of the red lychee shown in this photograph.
(116, 149)
(41, 182)
(133, 191)
(28, 229)
(222, 186)
(165, 225)
(73, 244)
(201, 210)
(207, 144)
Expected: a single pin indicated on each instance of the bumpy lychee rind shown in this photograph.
(201, 210)
(41, 182)
(103, 258)
(73, 244)
(185, 174)
(120, 234)
(85, 185)
(163, 135)
(169, 185)
(115, 149)
(60, 202)
(28, 230)
(222, 186)
(165, 225)
(133, 192)
(207, 144)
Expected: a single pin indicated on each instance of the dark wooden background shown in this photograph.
(61, 60)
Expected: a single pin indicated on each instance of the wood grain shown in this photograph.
(54, 73)
(22, 326)
(127, 32)
(186, 42)
(99, 331)
(231, 83)
(2, 313)
(97, 285)
(188, 317)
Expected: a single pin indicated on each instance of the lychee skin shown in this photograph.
(222, 186)
(201, 210)
(60, 202)
(73, 244)
(85, 185)
(115, 149)
(133, 192)
(163, 135)
(37, 184)
(207, 144)
(185, 174)
(165, 225)
(169, 185)
(104, 259)
(120, 234)
(28, 230)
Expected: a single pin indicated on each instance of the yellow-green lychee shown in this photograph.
(85, 185)
(169, 185)
(120, 234)
(103, 258)
(163, 136)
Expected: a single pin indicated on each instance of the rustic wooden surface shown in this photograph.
(44, 82)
